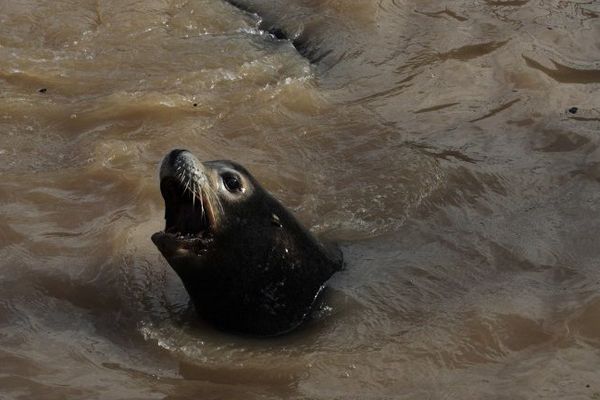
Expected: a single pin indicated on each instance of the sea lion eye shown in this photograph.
(232, 183)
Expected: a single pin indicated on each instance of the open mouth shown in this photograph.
(188, 214)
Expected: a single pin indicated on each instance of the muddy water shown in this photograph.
(450, 147)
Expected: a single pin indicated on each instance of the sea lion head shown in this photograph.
(202, 201)
(245, 261)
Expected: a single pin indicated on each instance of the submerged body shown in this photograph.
(246, 262)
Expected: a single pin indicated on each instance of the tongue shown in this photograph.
(188, 218)
(183, 213)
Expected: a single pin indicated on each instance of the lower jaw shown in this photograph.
(171, 245)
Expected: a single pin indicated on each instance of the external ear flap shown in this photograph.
(275, 221)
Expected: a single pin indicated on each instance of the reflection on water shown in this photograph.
(451, 147)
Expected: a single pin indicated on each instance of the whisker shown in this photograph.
(201, 202)
(197, 191)
(214, 197)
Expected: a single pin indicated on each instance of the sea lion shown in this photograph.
(248, 265)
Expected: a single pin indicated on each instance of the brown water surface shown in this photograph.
(452, 147)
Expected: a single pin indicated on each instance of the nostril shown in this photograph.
(174, 154)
